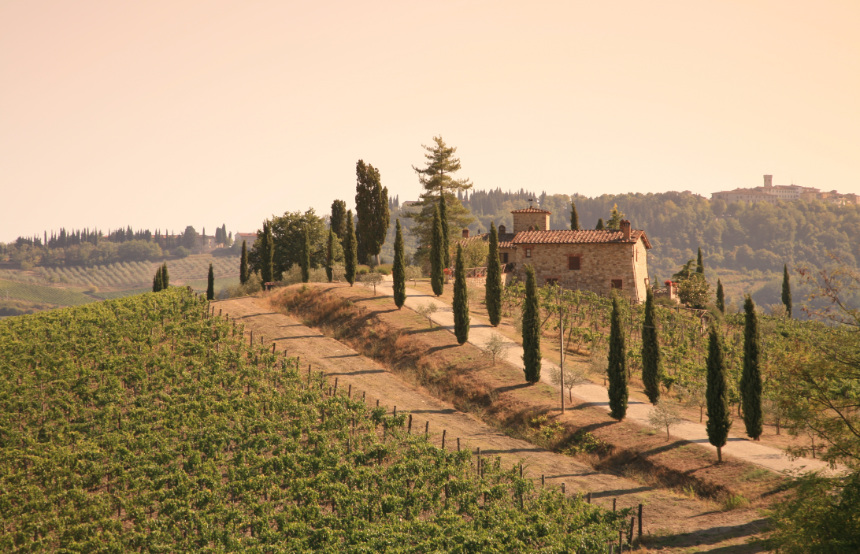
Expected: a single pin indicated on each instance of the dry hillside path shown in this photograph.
(670, 520)
(738, 446)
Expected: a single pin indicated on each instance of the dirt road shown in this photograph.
(738, 445)
(670, 520)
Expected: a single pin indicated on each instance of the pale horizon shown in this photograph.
(160, 115)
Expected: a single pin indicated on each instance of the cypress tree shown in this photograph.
(350, 255)
(531, 329)
(751, 375)
(719, 421)
(461, 300)
(329, 255)
(398, 270)
(721, 297)
(600, 225)
(700, 263)
(574, 217)
(165, 276)
(650, 351)
(243, 264)
(305, 257)
(157, 283)
(437, 258)
(617, 370)
(210, 285)
(493, 286)
(786, 290)
(446, 245)
(266, 254)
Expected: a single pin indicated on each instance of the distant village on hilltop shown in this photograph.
(776, 193)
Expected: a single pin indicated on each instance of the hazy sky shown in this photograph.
(161, 114)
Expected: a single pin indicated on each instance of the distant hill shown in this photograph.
(744, 244)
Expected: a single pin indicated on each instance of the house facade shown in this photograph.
(599, 261)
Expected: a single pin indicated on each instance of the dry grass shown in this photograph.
(464, 376)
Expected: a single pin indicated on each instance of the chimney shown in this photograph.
(768, 181)
(501, 229)
(625, 229)
(465, 233)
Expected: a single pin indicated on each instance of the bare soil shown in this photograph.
(426, 364)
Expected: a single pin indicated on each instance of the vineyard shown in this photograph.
(146, 424)
(683, 341)
(47, 287)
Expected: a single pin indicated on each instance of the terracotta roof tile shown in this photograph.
(531, 211)
(578, 237)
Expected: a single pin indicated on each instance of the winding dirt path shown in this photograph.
(671, 521)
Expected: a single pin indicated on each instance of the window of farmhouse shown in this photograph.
(574, 263)
(528, 252)
(616, 284)
(504, 256)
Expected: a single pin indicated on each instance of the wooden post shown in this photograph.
(362, 395)
(561, 347)
(251, 341)
(542, 480)
(273, 348)
(588, 498)
(521, 470)
(630, 531)
(409, 427)
(614, 500)
(349, 392)
(377, 402)
(444, 432)
(562, 489)
(394, 413)
(335, 385)
(309, 374)
(426, 429)
(458, 444)
(640, 522)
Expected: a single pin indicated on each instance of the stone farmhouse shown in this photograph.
(599, 261)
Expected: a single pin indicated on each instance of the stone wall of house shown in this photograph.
(531, 220)
(600, 264)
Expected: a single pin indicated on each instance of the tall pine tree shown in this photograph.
(165, 276)
(719, 420)
(617, 370)
(650, 351)
(210, 284)
(600, 225)
(721, 297)
(446, 244)
(350, 256)
(531, 329)
(398, 270)
(786, 291)
(461, 300)
(243, 264)
(329, 255)
(437, 258)
(700, 263)
(574, 217)
(305, 258)
(751, 375)
(493, 285)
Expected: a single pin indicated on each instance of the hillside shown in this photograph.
(151, 425)
(745, 245)
(40, 288)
